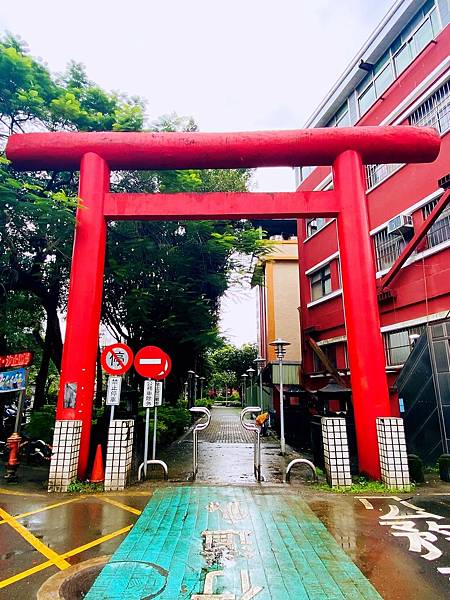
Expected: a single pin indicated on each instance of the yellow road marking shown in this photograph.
(16, 493)
(73, 552)
(130, 509)
(25, 574)
(38, 510)
(96, 542)
(31, 539)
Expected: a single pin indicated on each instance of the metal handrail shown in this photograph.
(250, 426)
(154, 462)
(298, 461)
(198, 427)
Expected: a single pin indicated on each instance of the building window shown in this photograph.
(341, 118)
(375, 174)
(320, 283)
(440, 230)
(420, 31)
(387, 248)
(435, 111)
(398, 344)
(314, 225)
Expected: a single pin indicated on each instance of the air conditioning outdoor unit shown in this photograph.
(401, 224)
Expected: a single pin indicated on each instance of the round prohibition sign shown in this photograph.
(116, 359)
(153, 363)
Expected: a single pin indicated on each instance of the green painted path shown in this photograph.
(229, 543)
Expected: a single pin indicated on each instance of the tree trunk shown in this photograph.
(41, 378)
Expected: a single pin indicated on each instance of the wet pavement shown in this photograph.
(305, 543)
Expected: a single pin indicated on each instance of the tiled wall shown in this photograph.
(335, 447)
(66, 450)
(119, 453)
(393, 454)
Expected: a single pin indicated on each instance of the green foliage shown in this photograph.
(360, 485)
(163, 281)
(84, 487)
(41, 424)
(172, 421)
(228, 363)
(207, 402)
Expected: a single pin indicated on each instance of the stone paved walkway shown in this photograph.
(230, 543)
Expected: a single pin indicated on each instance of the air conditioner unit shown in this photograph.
(401, 224)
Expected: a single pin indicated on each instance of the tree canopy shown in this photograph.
(163, 281)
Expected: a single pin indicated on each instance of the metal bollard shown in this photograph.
(198, 427)
(249, 426)
(161, 463)
(298, 461)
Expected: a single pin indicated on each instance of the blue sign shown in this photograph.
(10, 381)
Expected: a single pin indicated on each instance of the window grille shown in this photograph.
(320, 283)
(375, 174)
(398, 344)
(387, 248)
(435, 111)
(440, 230)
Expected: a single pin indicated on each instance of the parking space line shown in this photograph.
(31, 539)
(24, 574)
(74, 552)
(96, 542)
(130, 509)
(16, 493)
(38, 510)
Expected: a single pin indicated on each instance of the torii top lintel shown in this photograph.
(193, 150)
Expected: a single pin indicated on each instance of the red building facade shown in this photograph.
(401, 76)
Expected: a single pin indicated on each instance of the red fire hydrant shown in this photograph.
(13, 462)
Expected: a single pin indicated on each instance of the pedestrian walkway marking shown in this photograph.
(183, 548)
(69, 554)
(29, 537)
(130, 509)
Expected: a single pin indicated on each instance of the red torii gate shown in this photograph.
(346, 150)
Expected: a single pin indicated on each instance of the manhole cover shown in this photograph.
(72, 583)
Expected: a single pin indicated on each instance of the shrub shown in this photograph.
(41, 424)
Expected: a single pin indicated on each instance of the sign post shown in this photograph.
(155, 364)
(149, 402)
(113, 394)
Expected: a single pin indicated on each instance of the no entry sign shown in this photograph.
(153, 363)
(117, 359)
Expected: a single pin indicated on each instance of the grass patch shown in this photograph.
(361, 485)
(84, 487)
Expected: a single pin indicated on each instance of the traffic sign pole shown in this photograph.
(147, 431)
(158, 402)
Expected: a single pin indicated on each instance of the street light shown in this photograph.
(260, 364)
(244, 389)
(251, 372)
(280, 351)
(202, 379)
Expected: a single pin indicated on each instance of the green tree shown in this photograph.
(37, 209)
(163, 281)
(227, 364)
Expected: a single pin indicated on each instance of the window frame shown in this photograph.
(321, 278)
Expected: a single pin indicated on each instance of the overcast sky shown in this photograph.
(231, 64)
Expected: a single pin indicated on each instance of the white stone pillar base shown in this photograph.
(335, 448)
(118, 454)
(65, 454)
(393, 453)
